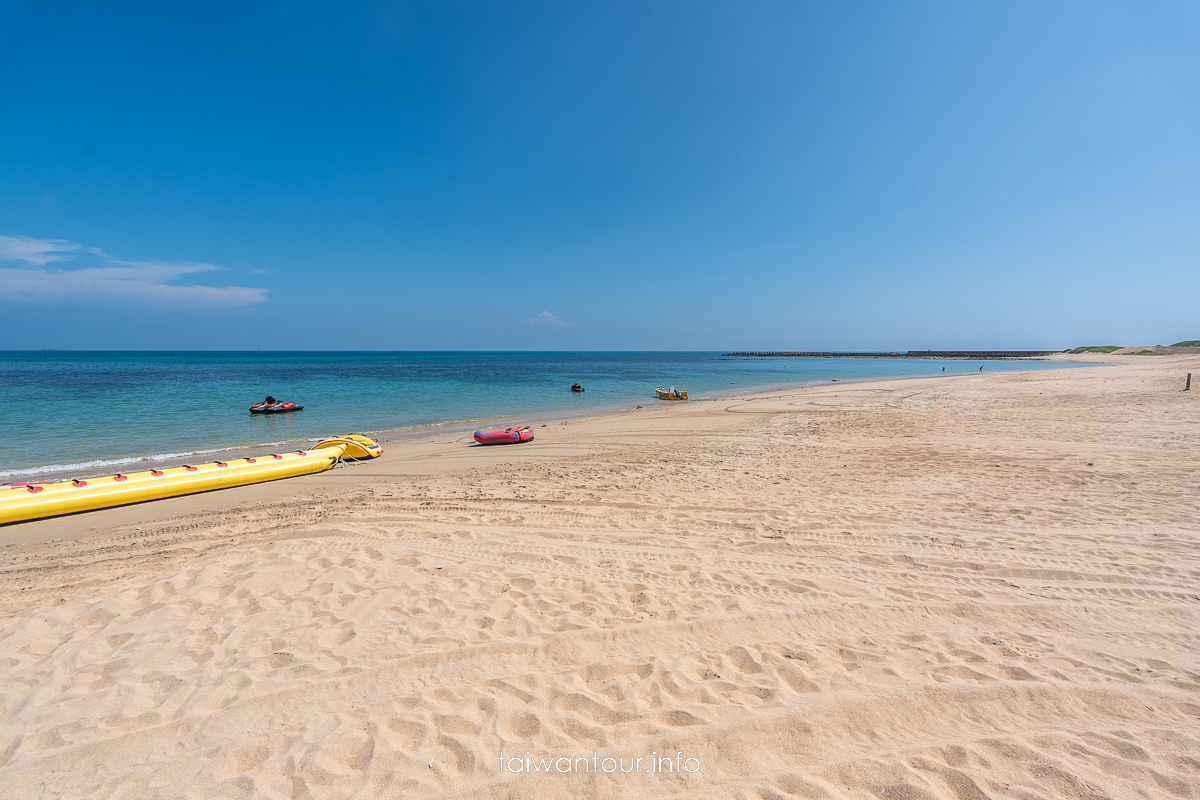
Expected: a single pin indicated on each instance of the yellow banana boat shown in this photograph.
(26, 501)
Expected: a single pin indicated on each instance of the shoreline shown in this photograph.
(92, 468)
(907, 355)
(421, 446)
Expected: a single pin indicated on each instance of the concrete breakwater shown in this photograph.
(973, 355)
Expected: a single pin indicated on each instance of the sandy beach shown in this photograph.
(982, 586)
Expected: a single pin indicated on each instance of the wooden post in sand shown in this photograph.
(1188, 386)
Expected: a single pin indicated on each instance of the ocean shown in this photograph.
(91, 413)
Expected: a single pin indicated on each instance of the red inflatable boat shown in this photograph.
(508, 436)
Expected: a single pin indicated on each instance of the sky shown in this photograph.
(599, 176)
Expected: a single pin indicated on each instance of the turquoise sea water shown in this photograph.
(89, 412)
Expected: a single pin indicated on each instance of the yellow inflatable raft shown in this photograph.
(25, 501)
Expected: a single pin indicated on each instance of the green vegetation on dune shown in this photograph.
(1188, 343)
(1144, 353)
(1106, 348)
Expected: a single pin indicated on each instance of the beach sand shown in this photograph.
(965, 587)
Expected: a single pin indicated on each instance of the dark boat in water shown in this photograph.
(575, 387)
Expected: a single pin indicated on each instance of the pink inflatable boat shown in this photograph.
(508, 436)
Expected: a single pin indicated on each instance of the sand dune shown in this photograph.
(969, 587)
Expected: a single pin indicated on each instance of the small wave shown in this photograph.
(96, 464)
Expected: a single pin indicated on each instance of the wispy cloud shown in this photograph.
(36, 252)
(114, 278)
(546, 320)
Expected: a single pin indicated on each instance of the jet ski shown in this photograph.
(274, 408)
(576, 388)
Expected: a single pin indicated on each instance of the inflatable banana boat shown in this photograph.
(26, 501)
(508, 436)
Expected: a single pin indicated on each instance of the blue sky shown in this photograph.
(619, 175)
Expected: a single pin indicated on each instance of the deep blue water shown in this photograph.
(88, 411)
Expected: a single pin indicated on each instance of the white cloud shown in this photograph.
(37, 252)
(145, 281)
(546, 320)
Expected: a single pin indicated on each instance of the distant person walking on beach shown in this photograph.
(981, 368)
